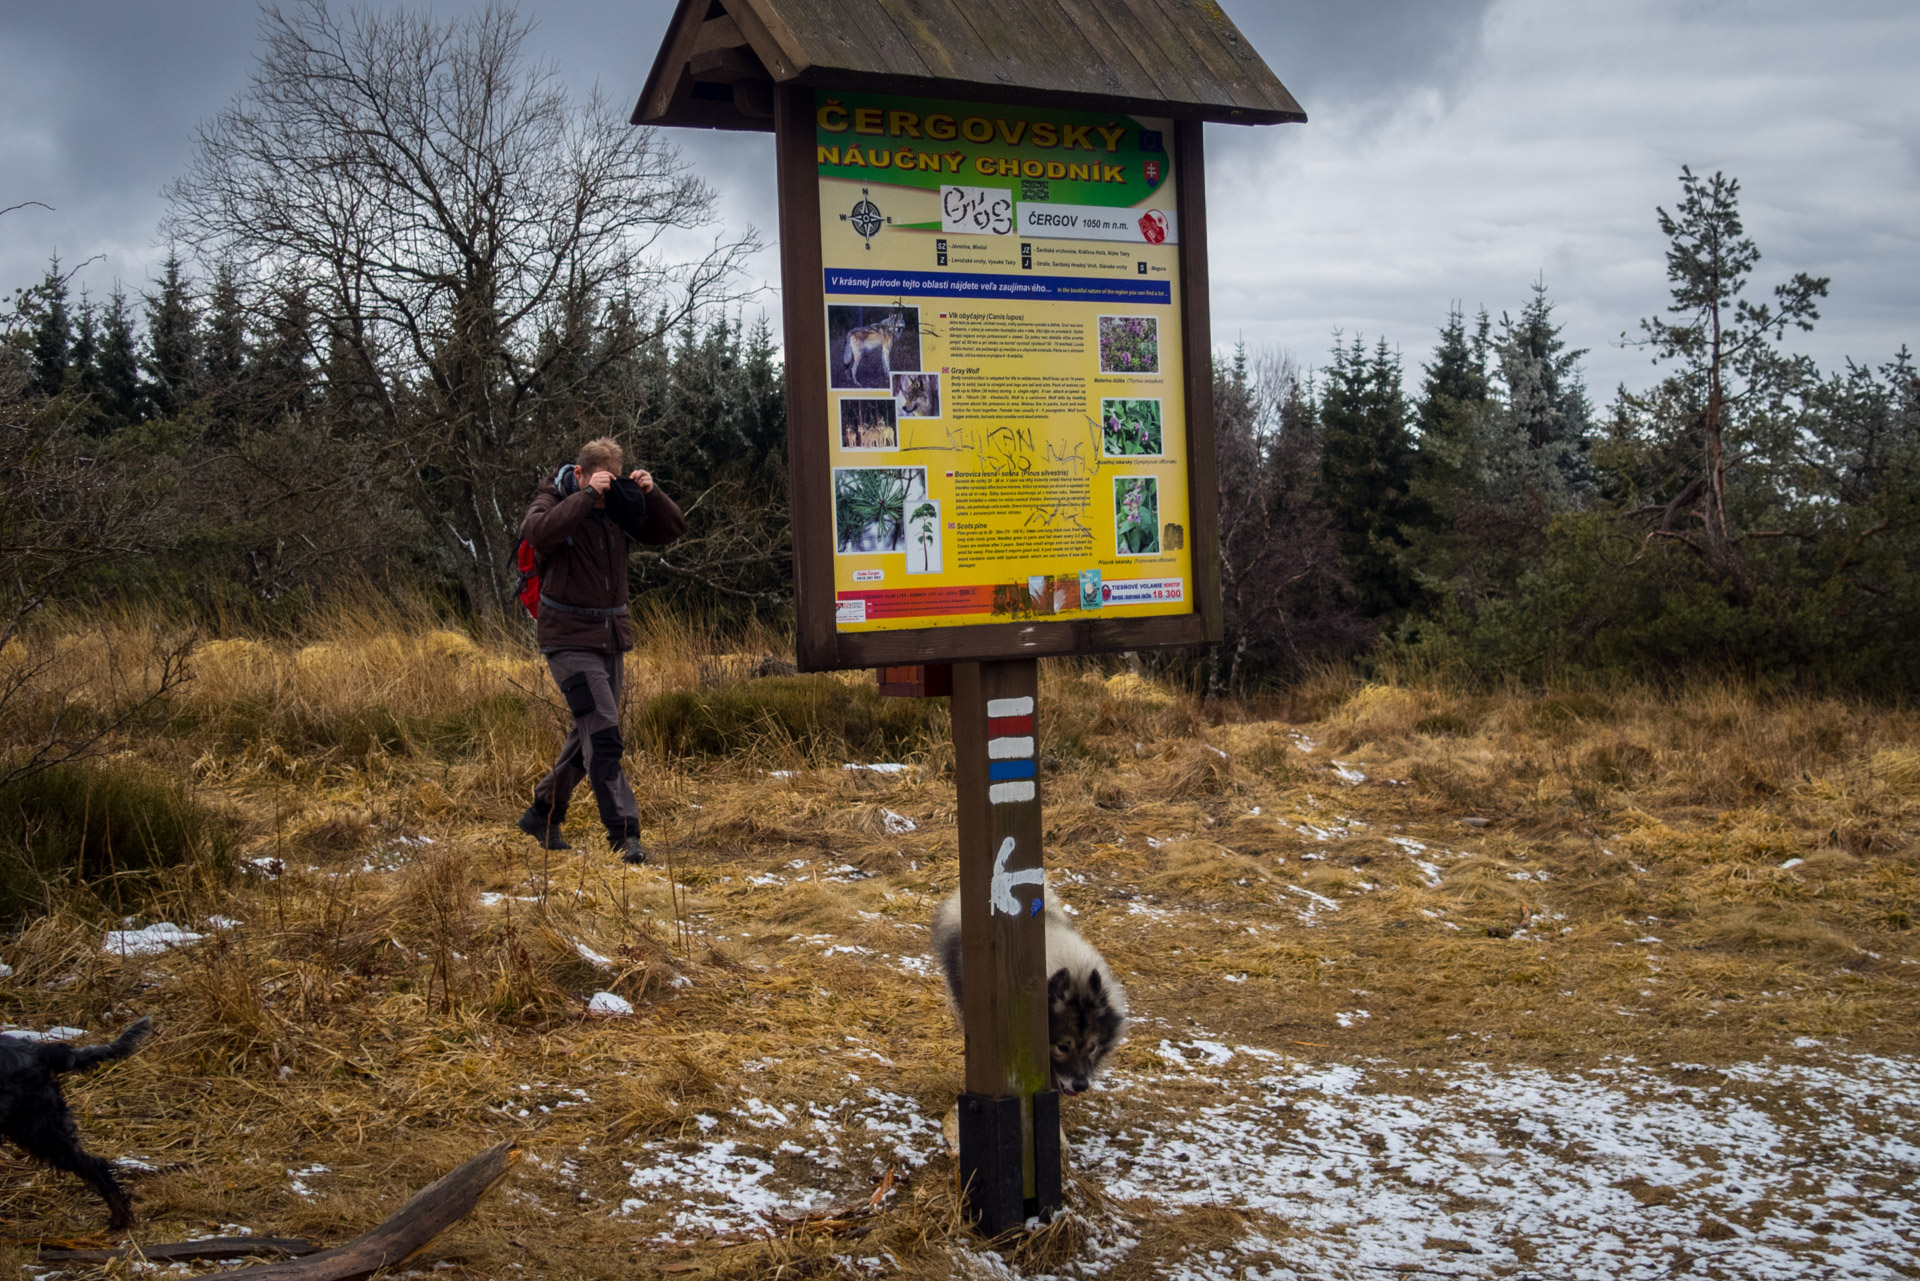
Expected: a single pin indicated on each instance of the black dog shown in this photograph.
(34, 1114)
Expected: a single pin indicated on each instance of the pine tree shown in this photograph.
(1367, 472)
(1724, 403)
(173, 342)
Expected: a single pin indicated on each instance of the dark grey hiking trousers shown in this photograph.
(590, 681)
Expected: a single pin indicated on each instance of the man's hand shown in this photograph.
(599, 481)
(643, 478)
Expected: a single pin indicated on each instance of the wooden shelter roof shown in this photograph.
(1179, 58)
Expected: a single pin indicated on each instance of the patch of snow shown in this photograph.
(592, 957)
(299, 1178)
(884, 767)
(1194, 1054)
(1812, 1163)
(1347, 774)
(6, 971)
(151, 940)
(897, 824)
(609, 1005)
(1347, 1017)
(1793, 862)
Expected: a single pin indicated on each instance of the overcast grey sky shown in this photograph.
(1457, 148)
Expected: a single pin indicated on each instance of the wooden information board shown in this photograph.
(999, 402)
(1001, 414)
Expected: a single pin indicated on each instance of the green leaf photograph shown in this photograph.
(1136, 515)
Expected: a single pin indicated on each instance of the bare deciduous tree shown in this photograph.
(463, 229)
(1283, 585)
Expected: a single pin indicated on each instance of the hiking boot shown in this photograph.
(632, 851)
(545, 831)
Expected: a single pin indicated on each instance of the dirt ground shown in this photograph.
(1578, 984)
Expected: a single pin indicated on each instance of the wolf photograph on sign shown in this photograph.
(870, 507)
(865, 345)
(918, 394)
(868, 422)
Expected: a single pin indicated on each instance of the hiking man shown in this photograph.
(579, 526)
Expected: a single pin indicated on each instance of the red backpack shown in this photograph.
(527, 586)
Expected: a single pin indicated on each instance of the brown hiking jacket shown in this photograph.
(582, 554)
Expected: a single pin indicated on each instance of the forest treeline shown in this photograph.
(405, 287)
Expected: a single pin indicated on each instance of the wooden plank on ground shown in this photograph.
(431, 1211)
(205, 1250)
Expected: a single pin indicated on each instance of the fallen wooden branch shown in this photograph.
(432, 1211)
(207, 1249)
(842, 1222)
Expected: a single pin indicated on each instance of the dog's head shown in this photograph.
(1083, 1025)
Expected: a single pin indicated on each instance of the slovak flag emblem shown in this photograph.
(1153, 170)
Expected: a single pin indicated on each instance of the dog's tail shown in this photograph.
(79, 1058)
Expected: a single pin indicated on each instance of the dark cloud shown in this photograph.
(100, 102)
(1456, 149)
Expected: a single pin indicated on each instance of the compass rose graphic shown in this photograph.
(866, 218)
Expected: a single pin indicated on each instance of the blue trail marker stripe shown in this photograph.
(997, 770)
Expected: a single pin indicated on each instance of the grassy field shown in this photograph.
(1590, 982)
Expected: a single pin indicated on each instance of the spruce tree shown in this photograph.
(1454, 402)
(280, 371)
(223, 354)
(173, 342)
(1545, 430)
(52, 334)
(118, 397)
(1367, 471)
(82, 374)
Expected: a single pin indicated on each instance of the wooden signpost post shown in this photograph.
(999, 400)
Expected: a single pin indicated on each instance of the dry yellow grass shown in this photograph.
(407, 981)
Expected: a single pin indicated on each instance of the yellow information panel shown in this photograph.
(1004, 364)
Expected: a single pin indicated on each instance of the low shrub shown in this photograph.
(111, 828)
(816, 717)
